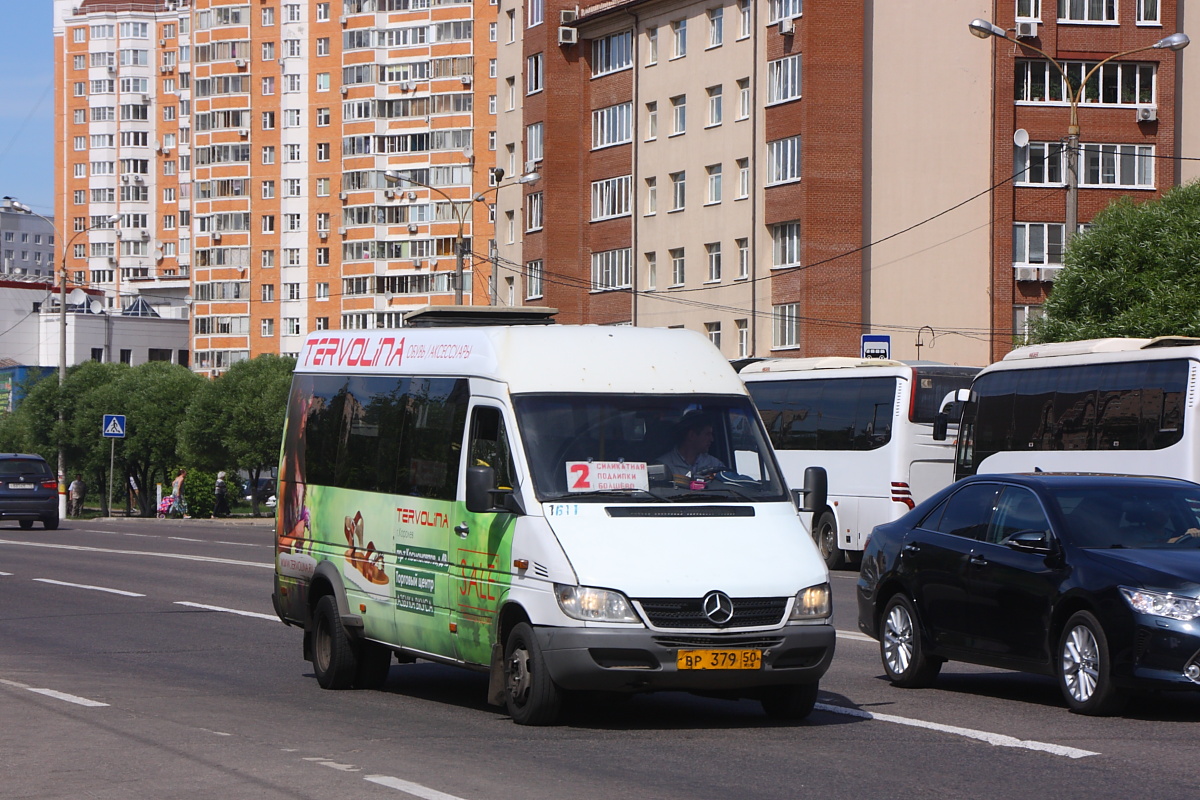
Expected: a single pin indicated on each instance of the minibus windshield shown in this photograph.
(647, 448)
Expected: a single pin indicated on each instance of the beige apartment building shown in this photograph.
(278, 167)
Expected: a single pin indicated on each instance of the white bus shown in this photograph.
(1101, 405)
(871, 424)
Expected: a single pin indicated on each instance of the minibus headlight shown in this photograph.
(815, 602)
(1158, 604)
(594, 605)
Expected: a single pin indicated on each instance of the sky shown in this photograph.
(27, 104)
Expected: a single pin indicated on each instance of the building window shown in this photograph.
(268, 293)
(1024, 317)
(785, 244)
(612, 125)
(743, 165)
(743, 337)
(1038, 163)
(268, 154)
(651, 196)
(533, 279)
(783, 79)
(744, 19)
(533, 142)
(714, 183)
(678, 190)
(267, 190)
(1116, 83)
(679, 38)
(611, 269)
(1031, 9)
(268, 328)
(651, 121)
(533, 74)
(322, 12)
(322, 117)
(783, 9)
(512, 26)
(715, 107)
(743, 247)
(651, 46)
(651, 270)
(268, 120)
(744, 101)
(1087, 10)
(612, 53)
(1117, 165)
(534, 212)
(268, 223)
(716, 26)
(678, 271)
(491, 31)
(291, 152)
(678, 114)
(1037, 243)
(266, 259)
(610, 197)
(785, 324)
(322, 151)
(268, 85)
(323, 261)
(321, 291)
(713, 251)
(783, 160)
(1147, 11)
(713, 331)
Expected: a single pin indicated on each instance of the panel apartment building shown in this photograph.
(247, 147)
(786, 176)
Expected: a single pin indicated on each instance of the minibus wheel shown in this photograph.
(825, 535)
(530, 695)
(332, 653)
(789, 702)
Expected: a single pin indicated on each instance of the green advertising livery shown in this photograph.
(564, 508)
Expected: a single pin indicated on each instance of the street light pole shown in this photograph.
(62, 339)
(460, 214)
(984, 29)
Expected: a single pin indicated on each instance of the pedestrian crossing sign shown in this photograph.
(114, 426)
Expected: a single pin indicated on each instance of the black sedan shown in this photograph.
(1093, 579)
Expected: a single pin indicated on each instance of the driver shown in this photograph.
(689, 461)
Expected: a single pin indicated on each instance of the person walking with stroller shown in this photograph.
(178, 504)
(221, 490)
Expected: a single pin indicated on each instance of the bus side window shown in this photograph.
(489, 445)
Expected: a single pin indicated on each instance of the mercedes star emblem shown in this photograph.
(718, 608)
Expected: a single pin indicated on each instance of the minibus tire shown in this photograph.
(333, 656)
(530, 695)
(793, 702)
(825, 535)
(374, 664)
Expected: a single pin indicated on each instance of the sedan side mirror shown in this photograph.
(1029, 542)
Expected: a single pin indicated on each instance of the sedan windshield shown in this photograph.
(647, 448)
(1136, 516)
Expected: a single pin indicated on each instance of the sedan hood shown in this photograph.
(1171, 569)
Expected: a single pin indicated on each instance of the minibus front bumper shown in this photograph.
(641, 660)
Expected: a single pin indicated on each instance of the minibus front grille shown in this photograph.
(683, 642)
(680, 511)
(688, 612)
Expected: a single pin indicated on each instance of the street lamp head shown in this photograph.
(984, 29)
(498, 174)
(113, 218)
(1176, 41)
(529, 177)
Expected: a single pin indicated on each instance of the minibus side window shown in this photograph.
(489, 446)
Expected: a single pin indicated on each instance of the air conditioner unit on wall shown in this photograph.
(239, 63)
(1027, 29)
(787, 26)
(1048, 274)
(1027, 273)
(466, 80)
(1147, 113)
(568, 36)
(568, 15)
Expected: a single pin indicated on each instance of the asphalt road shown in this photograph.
(141, 659)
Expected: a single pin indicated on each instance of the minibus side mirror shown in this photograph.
(483, 497)
(815, 493)
(941, 424)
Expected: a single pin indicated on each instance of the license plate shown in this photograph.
(719, 659)
(21, 485)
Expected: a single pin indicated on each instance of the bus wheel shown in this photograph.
(332, 653)
(529, 693)
(825, 535)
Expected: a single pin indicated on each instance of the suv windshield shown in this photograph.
(674, 448)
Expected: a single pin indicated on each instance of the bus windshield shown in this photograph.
(647, 448)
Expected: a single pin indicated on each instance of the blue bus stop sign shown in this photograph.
(876, 345)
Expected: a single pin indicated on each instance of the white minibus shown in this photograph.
(563, 508)
(872, 423)
(1103, 405)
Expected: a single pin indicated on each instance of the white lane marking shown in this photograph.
(415, 789)
(244, 544)
(994, 739)
(6, 574)
(184, 539)
(342, 767)
(92, 588)
(254, 614)
(70, 698)
(179, 556)
(855, 636)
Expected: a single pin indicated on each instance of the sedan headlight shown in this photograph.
(815, 602)
(594, 605)
(1161, 605)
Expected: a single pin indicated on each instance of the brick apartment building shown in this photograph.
(784, 178)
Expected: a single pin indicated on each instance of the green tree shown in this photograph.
(236, 420)
(1135, 272)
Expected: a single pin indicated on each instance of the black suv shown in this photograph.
(28, 490)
